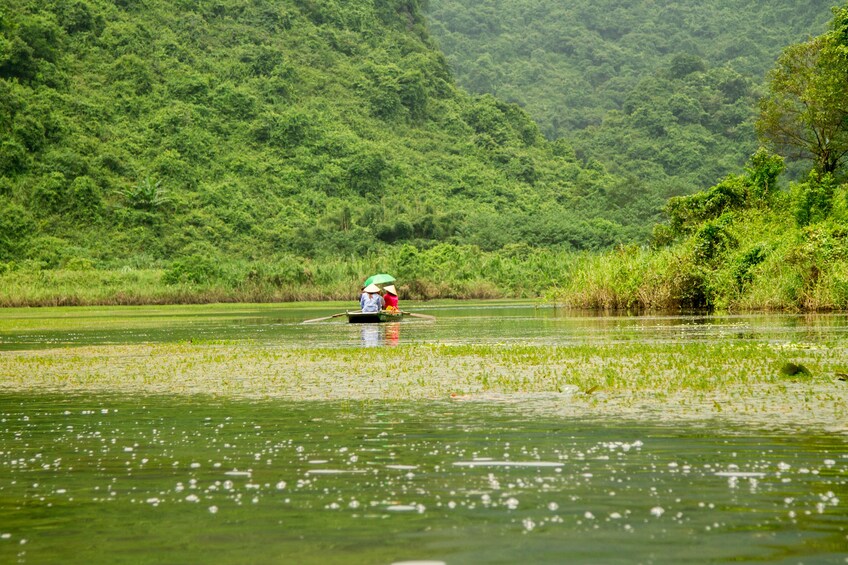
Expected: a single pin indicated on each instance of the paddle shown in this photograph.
(324, 318)
(414, 315)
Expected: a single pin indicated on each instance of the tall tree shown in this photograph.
(805, 113)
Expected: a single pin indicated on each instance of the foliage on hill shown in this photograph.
(170, 151)
(744, 243)
(661, 94)
(137, 133)
(736, 246)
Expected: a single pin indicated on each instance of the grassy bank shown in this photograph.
(444, 271)
(772, 266)
(741, 245)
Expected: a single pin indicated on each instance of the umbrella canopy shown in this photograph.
(382, 278)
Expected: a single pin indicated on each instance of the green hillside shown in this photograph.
(137, 133)
(169, 151)
(660, 93)
(745, 243)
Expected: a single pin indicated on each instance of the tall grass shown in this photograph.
(445, 271)
(767, 263)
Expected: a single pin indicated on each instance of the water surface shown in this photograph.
(457, 323)
(101, 479)
(499, 478)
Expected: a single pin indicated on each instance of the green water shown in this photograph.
(195, 479)
(151, 480)
(467, 322)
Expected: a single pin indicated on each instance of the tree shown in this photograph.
(805, 113)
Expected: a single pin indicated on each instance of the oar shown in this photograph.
(414, 315)
(324, 318)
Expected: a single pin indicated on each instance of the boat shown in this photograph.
(373, 317)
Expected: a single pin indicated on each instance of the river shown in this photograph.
(92, 471)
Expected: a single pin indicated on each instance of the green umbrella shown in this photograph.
(382, 278)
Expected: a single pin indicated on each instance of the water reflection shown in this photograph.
(456, 322)
(393, 333)
(371, 335)
(375, 335)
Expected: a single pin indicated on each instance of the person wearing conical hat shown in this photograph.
(371, 301)
(391, 298)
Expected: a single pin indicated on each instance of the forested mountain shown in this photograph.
(137, 132)
(746, 243)
(662, 93)
(254, 148)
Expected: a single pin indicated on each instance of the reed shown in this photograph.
(444, 271)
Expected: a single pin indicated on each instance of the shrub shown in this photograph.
(194, 269)
(146, 195)
(13, 158)
(47, 251)
(50, 192)
(79, 264)
(712, 239)
(813, 200)
(16, 226)
(687, 212)
(747, 261)
(85, 198)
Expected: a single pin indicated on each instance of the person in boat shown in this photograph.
(362, 296)
(390, 298)
(372, 301)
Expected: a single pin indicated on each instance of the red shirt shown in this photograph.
(391, 300)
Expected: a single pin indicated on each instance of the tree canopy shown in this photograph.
(662, 94)
(805, 112)
(170, 132)
(145, 132)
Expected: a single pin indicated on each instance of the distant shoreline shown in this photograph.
(611, 283)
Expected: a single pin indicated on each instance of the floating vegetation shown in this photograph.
(222, 440)
(653, 380)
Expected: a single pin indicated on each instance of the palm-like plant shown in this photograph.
(146, 195)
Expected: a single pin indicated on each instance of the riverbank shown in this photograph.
(797, 273)
(734, 381)
(440, 272)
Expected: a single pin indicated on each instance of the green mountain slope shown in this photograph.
(745, 243)
(139, 132)
(661, 93)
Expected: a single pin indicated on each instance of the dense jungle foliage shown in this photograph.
(138, 133)
(745, 243)
(661, 93)
(177, 151)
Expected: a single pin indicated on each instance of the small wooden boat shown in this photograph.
(373, 317)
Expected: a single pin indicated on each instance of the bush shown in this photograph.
(146, 195)
(79, 264)
(687, 212)
(85, 198)
(813, 200)
(712, 239)
(16, 227)
(47, 251)
(49, 193)
(747, 261)
(13, 158)
(194, 269)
